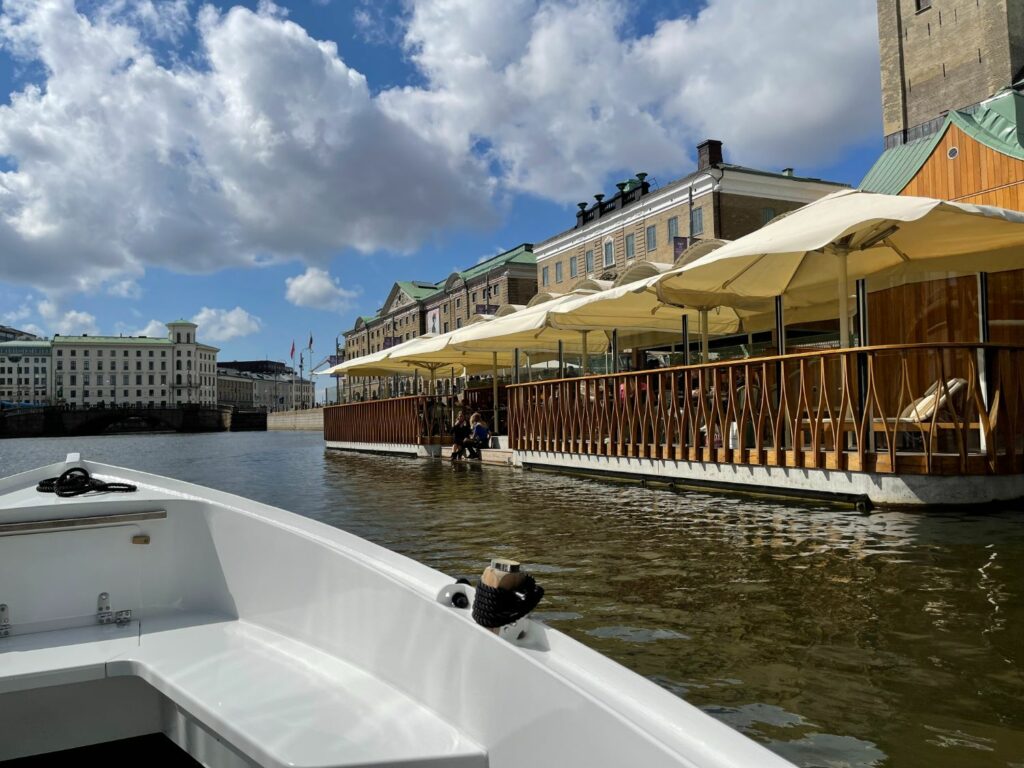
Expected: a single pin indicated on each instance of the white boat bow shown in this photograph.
(253, 636)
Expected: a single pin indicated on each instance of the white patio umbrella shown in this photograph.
(818, 249)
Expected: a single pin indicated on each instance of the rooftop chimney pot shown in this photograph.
(709, 154)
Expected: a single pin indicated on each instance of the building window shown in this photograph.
(177, 337)
(609, 253)
(651, 239)
(767, 214)
(673, 229)
(630, 246)
(924, 5)
(558, 271)
(458, 322)
(544, 276)
(590, 262)
(572, 266)
(697, 222)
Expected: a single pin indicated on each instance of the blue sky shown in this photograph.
(273, 168)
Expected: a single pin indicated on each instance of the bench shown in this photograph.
(275, 700)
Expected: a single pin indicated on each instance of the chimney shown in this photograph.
(787, 171)
(709, 154)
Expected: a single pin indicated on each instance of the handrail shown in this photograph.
(952, 408)
(790, 356)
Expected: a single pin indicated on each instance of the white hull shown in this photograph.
(259, 637)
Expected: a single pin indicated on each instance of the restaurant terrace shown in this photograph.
(766, 364)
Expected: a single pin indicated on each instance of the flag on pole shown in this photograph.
(293, 350)
(311, 340)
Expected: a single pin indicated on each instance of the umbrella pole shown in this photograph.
(494, 388)
(686, 340)
(844, 297)
(615, 350)
(780, 326)
(705, 342)
(515, 376)
(561, 359)
(585, 357)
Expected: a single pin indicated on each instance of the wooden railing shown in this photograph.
(912, 409)
(401, 420)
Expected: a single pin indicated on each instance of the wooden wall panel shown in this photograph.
(977, 174)
(1006, 307)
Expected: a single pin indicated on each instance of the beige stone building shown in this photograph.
(414, 308)
(943, 55)
(641, 223)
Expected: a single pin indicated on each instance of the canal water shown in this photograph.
(835, 639)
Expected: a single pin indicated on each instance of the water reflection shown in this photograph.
(834, 638)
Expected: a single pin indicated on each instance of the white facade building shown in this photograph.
(134, 370)
(26, 371)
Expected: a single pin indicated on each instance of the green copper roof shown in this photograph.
(997, 123)
(521, 254)
(110, 340)
(417, 290)
(897, 165)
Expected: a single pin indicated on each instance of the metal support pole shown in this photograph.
(585, 357)
(686, 340)
(515, 372)
(780, 326)
(494, 389)
(705, 340)
(863, 340)
(844, 298)
(984, 337)
(561, 359)
(615, 350)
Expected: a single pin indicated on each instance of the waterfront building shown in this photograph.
(235, 388)
(954, 123)
(414, 308)
(266, 384)
(26, 371)
(7, 333)
(135, 370)
(643, 223)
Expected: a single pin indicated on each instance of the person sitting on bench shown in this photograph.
(460, 437)
(479, 438)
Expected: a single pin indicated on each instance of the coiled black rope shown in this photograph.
(495, 607)
(76, 481)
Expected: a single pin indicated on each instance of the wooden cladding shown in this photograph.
(398, 421)
(973, 174)
(948, 409)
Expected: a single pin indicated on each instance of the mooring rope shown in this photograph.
(76, 481)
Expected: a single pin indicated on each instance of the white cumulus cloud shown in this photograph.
(154, 329)
(125, 289)
(71, 322)
(317, 289)
(269, 147)
(561, 94)
(225, 324)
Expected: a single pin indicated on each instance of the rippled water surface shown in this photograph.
(835, 639)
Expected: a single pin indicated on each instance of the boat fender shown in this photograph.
(505, 595)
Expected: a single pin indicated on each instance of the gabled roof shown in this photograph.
(417, 289)
(997, 124)
(521, 254)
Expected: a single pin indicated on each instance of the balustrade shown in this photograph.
(401, 420)
(912, 409)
